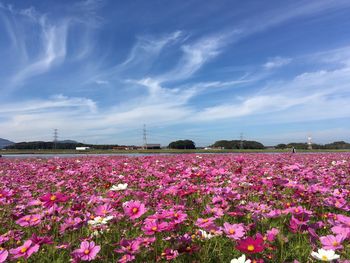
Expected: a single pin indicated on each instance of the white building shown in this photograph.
(82, 148)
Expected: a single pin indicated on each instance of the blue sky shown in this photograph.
(275, 71)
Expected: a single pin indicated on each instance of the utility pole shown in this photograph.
(241, 141)
(55, 138)
(144, 137)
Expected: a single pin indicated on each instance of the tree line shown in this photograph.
(339, 145)
(180, 144)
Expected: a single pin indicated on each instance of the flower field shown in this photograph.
(180, 208)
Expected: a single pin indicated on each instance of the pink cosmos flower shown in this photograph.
(331, 242)
(87, 251)
(271, 234)
(53, 198)
(205, 222)
(179, 217)
(3, 255)
(29, 220)
(41, 240)
(152, 226)
(341, 229)
(126, 258)
(103, 210)
(235, 231)
(26, 250)
(170, 254)
(251, 245)
(134, 209)
(129, 246)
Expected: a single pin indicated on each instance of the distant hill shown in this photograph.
(68, 141)
(4, 143)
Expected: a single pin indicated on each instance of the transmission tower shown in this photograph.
(144, 137)
(55, 138)
(241, 141)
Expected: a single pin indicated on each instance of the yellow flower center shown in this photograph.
(232, 231)
(86, 251)
(176, 215)
(250, 248)
(325, 258)
(27, 219)
(35, 219)
(296, 210)
(23, 249)
(154, 228)
(104, 211)
(335, 243)
(53, 198)
(205, 220)
(135, 210)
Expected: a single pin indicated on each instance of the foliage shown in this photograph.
(237, 144)
(182, 144)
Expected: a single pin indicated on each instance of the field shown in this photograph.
(180, 208)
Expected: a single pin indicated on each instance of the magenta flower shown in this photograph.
(271, 234)
(29, 220)
(3, 254)
(103, 210)
(26, 250)
(50, 199)
(87, 251)
(235, 231)
(126, 258)
(129, 246)
(331, 242)
(251, 245)
(205, 222)
(152, 226)
(134, 209)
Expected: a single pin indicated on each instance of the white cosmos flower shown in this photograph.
(205, 235)
(325, 255)
(241, 259)
(100, 220)
(119, 187)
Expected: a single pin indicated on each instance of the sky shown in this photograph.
(98, 71)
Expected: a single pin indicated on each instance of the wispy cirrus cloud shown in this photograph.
(53, 50)
(195, 55)
(276, 62)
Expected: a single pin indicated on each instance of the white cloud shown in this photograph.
(195, 55)
(277, 62)
(102, 82)
(53, 42)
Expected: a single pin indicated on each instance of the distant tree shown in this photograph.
(182, 144)
(281, 146)
(338, 145)
(236, 144)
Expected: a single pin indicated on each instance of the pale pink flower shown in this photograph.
(87, 251)
(3, 254)
(234, 231)
(331, 242)
(26, 250)
(29, 220)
